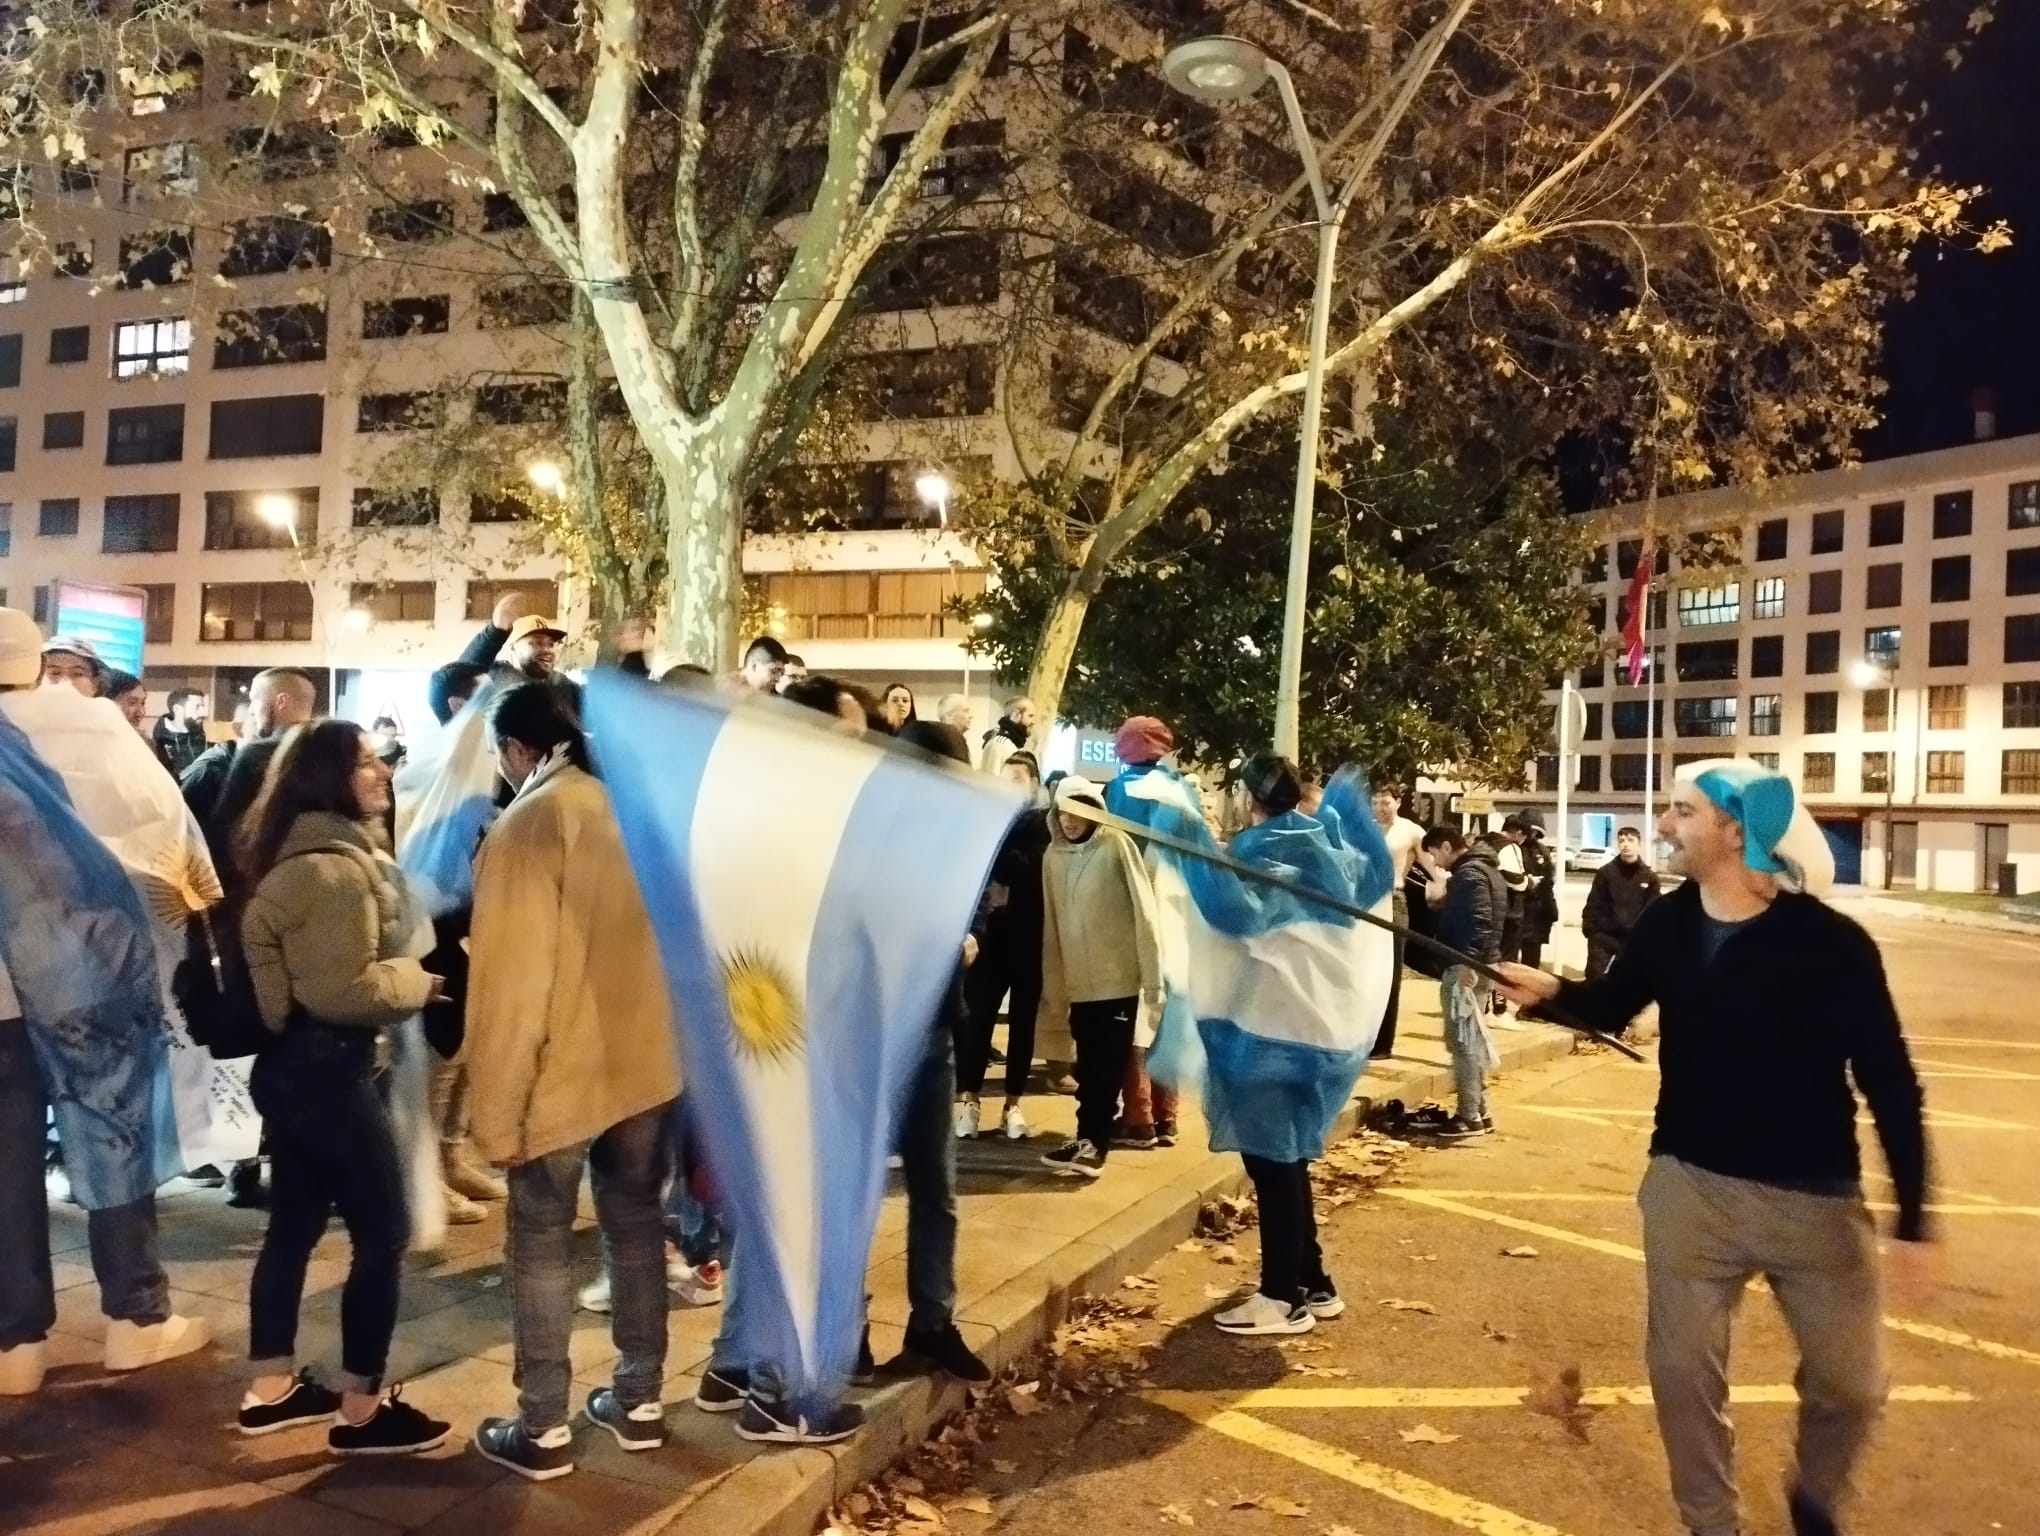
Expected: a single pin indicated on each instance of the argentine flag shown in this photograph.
(810, 893)
(1282, 997)
(446, 798)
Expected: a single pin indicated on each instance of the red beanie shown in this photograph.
(1143, 739)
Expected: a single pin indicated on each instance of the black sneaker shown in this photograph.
(305, 1403)
(723, 1389)
(865, 1372)
(773, 1421)
(1135, 1138)
(1430, 1117)
(1808, 1518)
(1165, 1133)
(1075, 1160)
(642, 1428)
(244, 1187)
(206, 1176)
(541, 1458)
(1457, 1129)
(394, 1429)
(941, 1350)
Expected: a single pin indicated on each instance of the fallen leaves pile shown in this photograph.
(1356, 1167)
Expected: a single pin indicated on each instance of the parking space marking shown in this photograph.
(1937, 1119)
(1970, 1070)
(1430, 1498)
(2007, 1045)
(1932, 1332)
(1512, 1397)
(1980, 1205)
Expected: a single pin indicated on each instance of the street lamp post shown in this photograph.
(1866, 675)
(1217, 69)
(933, 487)
(280, 511)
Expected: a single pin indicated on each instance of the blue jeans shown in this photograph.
(627, 1163)
(693, 1225)
(927, 1145)
(125, 1260)
(1466, 1037)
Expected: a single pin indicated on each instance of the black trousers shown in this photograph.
(1003, 965)
(1384, 1042)
(1600, 955)
(1292, 1265)
(1103, 1032)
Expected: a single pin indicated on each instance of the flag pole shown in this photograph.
(1649, 828)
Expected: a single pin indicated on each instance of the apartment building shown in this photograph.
(1872, 631)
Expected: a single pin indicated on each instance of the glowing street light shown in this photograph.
(545, 474)
(932, 486)
(1867, 674)
(357, 620)
(277, 510)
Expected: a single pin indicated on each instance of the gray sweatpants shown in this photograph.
(1705, 1235)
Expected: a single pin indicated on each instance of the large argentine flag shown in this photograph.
(446, 798)
(810, 893)
(1286, 994)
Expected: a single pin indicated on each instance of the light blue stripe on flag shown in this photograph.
(809, 894)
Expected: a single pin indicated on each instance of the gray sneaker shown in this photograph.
(642, 1428)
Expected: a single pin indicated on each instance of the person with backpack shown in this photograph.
(328, 935)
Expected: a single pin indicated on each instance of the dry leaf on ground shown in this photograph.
(1524, 1252)
(1176, 1514)
(970, 1503)
(1004, 1467)
(1424, 1434)
(1024, 1400)
(1302, 1368)
(1226, 1253)
(1397, 1304)
(915, 1507)
(1219, 1293)
(1274, 1503)
(1499, 1335)
(1421, 1258)
(1190, 1245)
(1340, 1530)
(1137, 1283)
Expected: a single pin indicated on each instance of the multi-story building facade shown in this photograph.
(1872, 631)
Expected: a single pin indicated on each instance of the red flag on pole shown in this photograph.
(1634, 625)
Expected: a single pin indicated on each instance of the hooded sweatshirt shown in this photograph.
(1098, 915)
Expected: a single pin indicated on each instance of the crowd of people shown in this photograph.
(553, 1061)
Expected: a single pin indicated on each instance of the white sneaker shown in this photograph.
(594, 1297)
(967, 1120)
(21, 1370)
(1264, 1314)
(696, 1285)
(130, 1346)
(1013, 1124)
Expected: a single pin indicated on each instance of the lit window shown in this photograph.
(1711, 605)
(143, 347)
(1768, 600)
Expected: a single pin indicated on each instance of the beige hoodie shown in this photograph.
(1098, 931)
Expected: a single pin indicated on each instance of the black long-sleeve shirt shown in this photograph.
(1760, 1042)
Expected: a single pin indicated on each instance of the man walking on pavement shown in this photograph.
(1769, 1004)
(1471, 922)
(1404, 838)
(1622, 888)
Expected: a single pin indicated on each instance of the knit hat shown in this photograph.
(1273, 781)
(1779, 837)
(1143, 739)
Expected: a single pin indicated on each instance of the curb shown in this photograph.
(1981, 922)
(787, 1493)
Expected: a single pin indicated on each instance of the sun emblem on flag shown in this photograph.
(764, 1013)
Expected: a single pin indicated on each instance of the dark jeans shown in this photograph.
(1384, 1042)
(927, 1149)
(1601, 954)
(627, 1164)
(1103, 1032)
(1292, 1265)
(125, 1260)
(1003, 965)
(330, 1149)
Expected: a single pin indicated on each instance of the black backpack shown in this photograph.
(214, 990)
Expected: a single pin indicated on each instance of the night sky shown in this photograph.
(1976, 319)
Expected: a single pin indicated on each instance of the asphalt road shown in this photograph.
(1408, 1417)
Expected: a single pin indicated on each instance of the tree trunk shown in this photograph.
(704, 562)
(1057, 649)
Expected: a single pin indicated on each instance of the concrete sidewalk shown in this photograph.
(155, 1451)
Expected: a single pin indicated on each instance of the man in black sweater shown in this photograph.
(1622, 888)
(1769, 1002)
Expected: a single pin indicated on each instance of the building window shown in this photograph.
(10, 435)
(1881, 647)
(300, 149)
(256, 247)
(143, 347)
(71, 344)
(501, 211)
(2023, 505)
(1824, 592)
(414, 506)
(395, 602)
(1765, 760)
(145, 434)
(1768, 598)
(1948, 581)
(951, 269)
(1594, 572)
(514, 304)
(2022, 571)
(397, 413)
(1771, 535)
(73, 258)
(1547, 774)
(157, 170)
(1887, 523)
(931, 382)
(159, 616)
(155, 258)
(1947, 706)
(1710, 605)
(1884, 586)
(1708, 661)
(140, 525)
(1948, 643)
(1945, 773)
(1589, 773)
(1827, 533)
(411, 221)
(268, 427)
(255, 610)
(1821, 713)
(1876, 709)
(13, 286)
(1876, 773)
(385, 319)
(1953, 513)
(1629, 551)
(2022, 706)
(1632, 719)
(1593, 726)
(234, 520)
(57, 518)
(1714, 716)
(2022, 637)
(482, 597)
(10, 361)
(1767, 656)
(1817, 773)
(1626, 771)
(63, 429)
(272, 333)
(1767, 714)
(497, 507)
(2021, 773)
(510, 404)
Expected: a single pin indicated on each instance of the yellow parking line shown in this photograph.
(1445, 1504)
(1937, 1119)
(2007, 1045)
(1264, 1398)
(1969, 1069)
(1581, 1116)
(1932, 1332)
(1972, 1206)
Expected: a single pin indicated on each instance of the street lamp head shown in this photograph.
(1867, 674)
(357, 621)
(932, 486)
(277, 510)
(546, 475)
(1216, 68)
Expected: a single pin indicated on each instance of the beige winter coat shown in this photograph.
(568, 1028)
(330, 926)
(1098, 926)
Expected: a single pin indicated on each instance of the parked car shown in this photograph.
(1586, 860)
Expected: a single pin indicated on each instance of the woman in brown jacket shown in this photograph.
(328, 933)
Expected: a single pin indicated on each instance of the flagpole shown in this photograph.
(1649, 829)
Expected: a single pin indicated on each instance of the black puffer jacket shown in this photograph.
(1476, 901)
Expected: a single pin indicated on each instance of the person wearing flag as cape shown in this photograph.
(1770, 1005)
